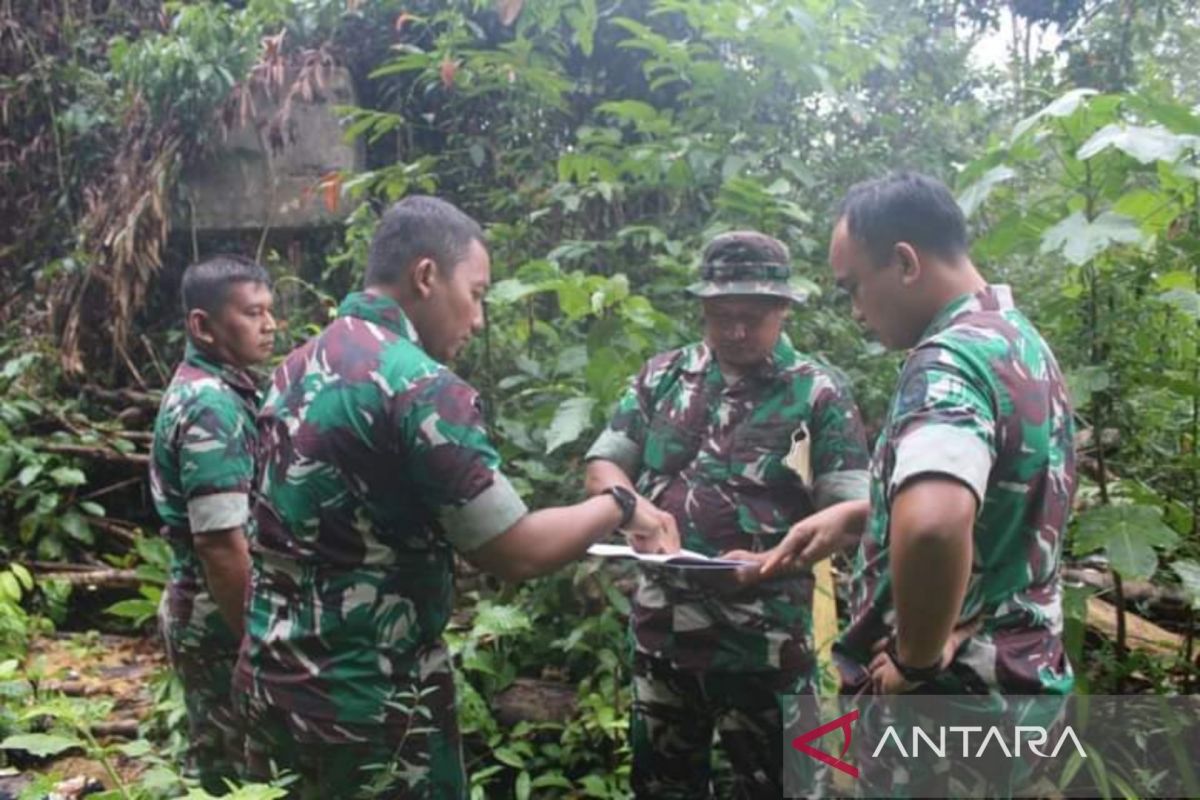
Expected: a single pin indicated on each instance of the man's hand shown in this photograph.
(817, 536)
(732, 581)
(886, 678)
(652, 530)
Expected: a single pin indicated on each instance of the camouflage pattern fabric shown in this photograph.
(201, 469)
(980, 398)
(675, 714)
(375, 464)
(417, 760)
(713, 455)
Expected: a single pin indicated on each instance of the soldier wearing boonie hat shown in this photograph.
(739, 437)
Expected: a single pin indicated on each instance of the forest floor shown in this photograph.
(115, 670)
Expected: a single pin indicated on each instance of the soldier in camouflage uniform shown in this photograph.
(376, 468)
(200, 475)
(956, 585)
(738, 437)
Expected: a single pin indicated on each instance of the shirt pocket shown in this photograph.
(758, 456)
(671, 445)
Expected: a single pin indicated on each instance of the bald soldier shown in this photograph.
(738, 437)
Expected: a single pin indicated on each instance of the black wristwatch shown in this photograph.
(912, 674)
(627, 501)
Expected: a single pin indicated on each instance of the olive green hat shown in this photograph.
(747, 263)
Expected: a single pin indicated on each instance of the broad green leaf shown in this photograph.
(77, 527)
(1080, 241)
(974, 195)
(551, 780)
(632, 110)
(1128, 534)
(23, 575)
(1064, 106)
(29, 474)
(571, 419)
(1189, 576)
(68, 476)
(40, 745)
(92, 507)
(137, 610)
(10, 590)
(1083, 382)
(1176, 279)
(1153, 211)
(510, 290)
(1176, 116)
(494, 619)
(1144, 144)
(1183, 300)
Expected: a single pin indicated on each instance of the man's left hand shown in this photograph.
(743, 577)
(886, 678)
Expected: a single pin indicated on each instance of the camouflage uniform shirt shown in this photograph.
(713, 455)
(374, 464)
(201, 469)
(980, 398)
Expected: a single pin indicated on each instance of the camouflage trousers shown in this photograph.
(675, 714)
(420, 759)
(215, 731)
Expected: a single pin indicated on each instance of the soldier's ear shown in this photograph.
(909, 262)
(422, 277)
(199, 327)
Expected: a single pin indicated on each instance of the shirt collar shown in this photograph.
(993, 297)
(238, 379)
(381, 310)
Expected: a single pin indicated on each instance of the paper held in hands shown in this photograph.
(684, 559)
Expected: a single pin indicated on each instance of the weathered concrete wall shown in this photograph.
(242, 185)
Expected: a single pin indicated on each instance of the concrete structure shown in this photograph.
(242, 185)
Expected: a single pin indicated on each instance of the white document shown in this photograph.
(684, 559)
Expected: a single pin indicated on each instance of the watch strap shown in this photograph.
(912, 674)
(626, 501)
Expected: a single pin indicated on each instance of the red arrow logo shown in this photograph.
(801, 743)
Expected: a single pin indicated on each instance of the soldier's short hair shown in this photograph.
(904, 207)
(419, 227)
(205, 284)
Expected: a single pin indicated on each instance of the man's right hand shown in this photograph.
(818, 536)
(652, 530)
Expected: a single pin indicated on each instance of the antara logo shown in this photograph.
(1035, 737)
(801, 743)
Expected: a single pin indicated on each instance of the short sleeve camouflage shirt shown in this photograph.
(375, 464)
(980, 398)
(713, 454)
(201, 467)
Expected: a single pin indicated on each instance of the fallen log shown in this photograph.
(97, 453)
(1163, 602)
(118, 728)
(97, 578)
(124, 532)
(1140, 633)
(129, 397)
(534, 700)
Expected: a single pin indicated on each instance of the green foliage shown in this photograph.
(154, 561)
(603, 144)
(186, 72)
(1101, 190)
(15, 624)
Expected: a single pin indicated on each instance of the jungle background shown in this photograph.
(601, 142)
